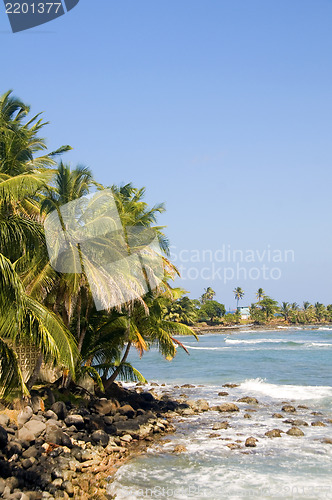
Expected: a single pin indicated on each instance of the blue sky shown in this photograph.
(222, 109)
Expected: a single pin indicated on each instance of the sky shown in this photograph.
(220, 108)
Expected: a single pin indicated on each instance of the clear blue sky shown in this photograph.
(222, 109)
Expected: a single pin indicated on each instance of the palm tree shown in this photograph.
(207, 295)
(239, 294)
(260, 294)
(269, 307)
(285, 310)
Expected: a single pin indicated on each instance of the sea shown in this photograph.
(286, 365)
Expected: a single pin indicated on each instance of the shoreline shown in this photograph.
(201, 330)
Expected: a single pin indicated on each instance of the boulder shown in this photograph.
(76, 420)
(31, 452)
(60, 409)
(179, 448)
(277, 415)
(250, 442)
(226, 407)
(3, 438)
(100, 437)
(233, 446)
(127, 410)
(220, 425)
(14, 448)
(35, 427)
(289, 409)
(107, 406)
(248, 399)
(247, 415)
(37, 404)
(50, 414)
(327, 441)
(295, 422)
(274, 433)
(318, 423)
(223, 393)
(295, 431)
(231, 386)
(24, 415)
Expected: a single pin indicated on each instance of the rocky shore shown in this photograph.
(55, 449)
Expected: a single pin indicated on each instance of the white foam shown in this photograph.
(205, 348)
(303, 392)
(256, 341)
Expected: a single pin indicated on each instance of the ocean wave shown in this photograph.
(259, 341)
(205, 348)
(303, 392)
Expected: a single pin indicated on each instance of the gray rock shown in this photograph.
(24, 415)
(31, 452)
(34, 427)
(2, 485)
(249, 400)
(127, 410)
(60, 409)
(3, 437)
(100, 437)
(50, 414)
(4, 420)
(28, 462)
(76, 420)
(14, 448)
(68, 487)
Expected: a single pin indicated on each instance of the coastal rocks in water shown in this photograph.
(274, 433)
(318, 423)
(76, 420)
(289, 408)
(198, 406)
(250, 442)
(247, 415)
(220, 425)
(187, 386)
(233, 446)
(225, 407)
(303, 407)
(295, 431)
(277, 415)
(248, 399)
(223, 393)
(179, 448)
(231, 386)
(295, 423)
(327, 441)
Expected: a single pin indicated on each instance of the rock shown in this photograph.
(327, 441)
(54, 435)
(126, 438)
(57, 483)
(250, 442)
(50, 414)
(225, 407)
(249, 400)
(24, 415)
(179, 448)
(273, 433)
(68, 487)
(4, 420)
(14, 448)
(288, 408)
(247, 415)
(295, 422)
(100, 437)
(233, 446)
(60, 409)
(76, 420)
(231, 386)
(295, 431)
(148, 397)
(37, 404)
(187, 386)
(223, 393)
(66, 441)
(31, 452)
(28, 462)
(2, 485)
(201, 405)
(213, 435)
(127, 410)
(318, 424)
(220, 425)
(34, 427)
(303, 407)
(107, 406)
(3, 437)
(277, 415)
(188, 411)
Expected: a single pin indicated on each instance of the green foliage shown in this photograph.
(211, 311)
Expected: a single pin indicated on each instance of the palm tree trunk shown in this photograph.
(110, 381)
(35, 374)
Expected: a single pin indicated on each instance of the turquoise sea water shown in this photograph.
(286, 365)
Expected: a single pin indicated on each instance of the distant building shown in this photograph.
(244, 311)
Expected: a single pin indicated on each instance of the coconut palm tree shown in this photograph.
(285, 310)
(260, 294)
(239, 294)
(208, 294)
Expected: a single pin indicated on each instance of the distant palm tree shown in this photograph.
(207, 295)
(260, 294)
(238, 293)
(294, 306)
(306, 304)
(285, 310)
